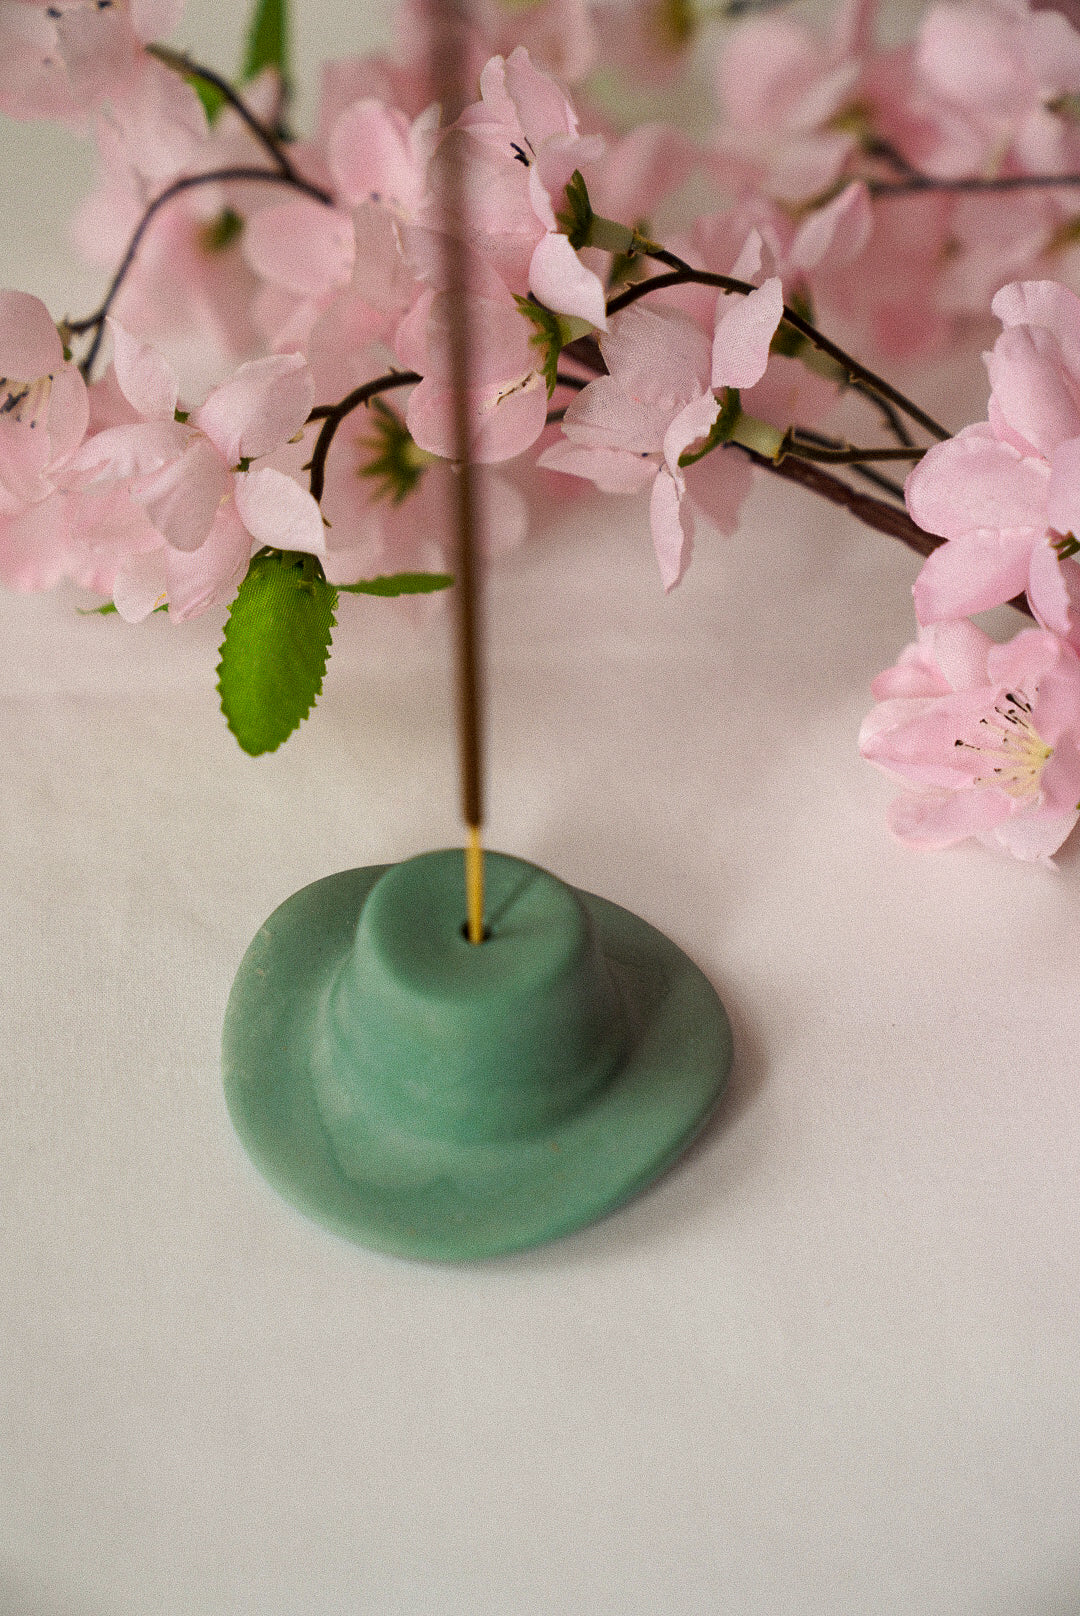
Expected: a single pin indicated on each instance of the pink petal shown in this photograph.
(1063, 498)
(670, 542)
(29, 344)
(562, 283)
(614, 471)
(1032, 389)
(210, 575)
(1030, 837)
(277, 512)
(718, 486)
(931, 820)
(140, 585)
(260, 407)
(834, 235)
(183, 497)
(976, 481)
(1053, 591)
(69, 413)
(603, 415)
(146, 379)
(745, 328)
(656, 358)
(973, 573)
(1047, 304)
(305, 247)
(541, 107)
(690, 425)
(371, 156)
(960, 651)
(129, 451)
(36, 545)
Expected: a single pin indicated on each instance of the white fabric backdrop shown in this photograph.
(828, 1366)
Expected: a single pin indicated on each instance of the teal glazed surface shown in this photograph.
(436, 1099)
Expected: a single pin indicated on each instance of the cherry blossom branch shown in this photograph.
(180, 62)
(682, 274)
(846, 454)
(911, 184)
(879, 514)
(332, 415)
(188, 182)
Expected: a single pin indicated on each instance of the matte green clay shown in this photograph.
(439, 1099)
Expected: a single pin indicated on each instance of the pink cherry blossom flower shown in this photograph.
(192, 476)
(783, 89)
(627, 430)
(346, 261)
(507, 394)
(986, 80)
(519, 145)
(1005, 493)
(43, 417)
(985, 736)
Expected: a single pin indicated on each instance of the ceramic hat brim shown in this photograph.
(441, 1199)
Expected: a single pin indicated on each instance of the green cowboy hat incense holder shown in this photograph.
(440, 1099)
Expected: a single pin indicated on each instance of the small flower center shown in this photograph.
(1016, 753)
(25, 401)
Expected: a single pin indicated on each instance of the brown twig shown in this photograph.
(332, 415)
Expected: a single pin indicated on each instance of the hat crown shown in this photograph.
(427, 1034)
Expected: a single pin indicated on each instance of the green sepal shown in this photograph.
(548, 336)
(273, 656)
(399, 583)
(396, 462)
(267, 40)
(786, 340)
(221, 231)
(575, 220)
(721, 429)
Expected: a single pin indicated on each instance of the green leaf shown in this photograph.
(399, 583)
(268, 40)
(273, 656)
(212, 98)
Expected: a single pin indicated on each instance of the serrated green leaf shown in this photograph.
(399, 583)
(267, 40)
(273, 656)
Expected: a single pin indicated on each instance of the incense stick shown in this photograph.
(448, 75)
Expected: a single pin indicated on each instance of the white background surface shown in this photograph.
(828, 1367)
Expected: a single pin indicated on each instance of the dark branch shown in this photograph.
(180, 62)
(332, 415)
(876, 513)
(911, 184)
(683, 275)
(188, 182)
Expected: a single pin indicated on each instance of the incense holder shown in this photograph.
(439, 1099)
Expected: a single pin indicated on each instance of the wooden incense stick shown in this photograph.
(448, 76)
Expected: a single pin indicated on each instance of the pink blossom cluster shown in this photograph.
(273, 365)
(987, 737)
